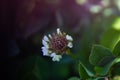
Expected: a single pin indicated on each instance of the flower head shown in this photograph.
(56, 45)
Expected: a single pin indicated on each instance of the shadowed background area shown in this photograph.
(23, 23)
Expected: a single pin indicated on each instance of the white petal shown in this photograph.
(56, 58)
(69, 38)
(45, 38)
(58, 31)
(70, 45)
(45, 44)
(45, 51)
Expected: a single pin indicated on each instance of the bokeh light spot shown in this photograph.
(107, 12)
(81, 2)
(95, 9)
(116, 78)
(117, 2)
(105, 3)
(116, 24)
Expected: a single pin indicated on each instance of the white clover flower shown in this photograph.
(56, 45)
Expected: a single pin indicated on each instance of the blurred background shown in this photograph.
(23, 23)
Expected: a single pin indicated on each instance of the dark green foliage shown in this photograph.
(31, 69)
(83, 73)
(98, 54)
(116, 50)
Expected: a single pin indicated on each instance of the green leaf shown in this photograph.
(83, 51)
(104, 66)
(74, 78)
(88, 71)
(98, 53)
(116, 69)
(117, 60)
(83, 73)
(92, 79)
(102, 71)
(112, 35)
(106, 60)
(116, 50)
(102, 58)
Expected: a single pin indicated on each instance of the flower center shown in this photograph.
(59, 44)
